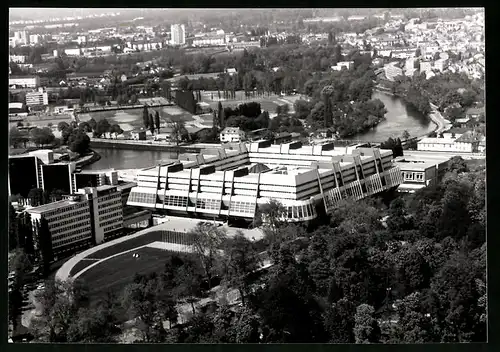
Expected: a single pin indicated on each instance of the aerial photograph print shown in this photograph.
(247, 176)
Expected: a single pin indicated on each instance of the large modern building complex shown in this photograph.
(233, 183)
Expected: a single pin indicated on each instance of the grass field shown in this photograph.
(115, 273)
(268, 103)
(142, 240)
(131, 119)
(474, 164)
(82, 264)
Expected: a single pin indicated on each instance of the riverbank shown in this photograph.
(141, 145)
(435, 116)
(88, 159)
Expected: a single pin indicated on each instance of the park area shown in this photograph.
(115, 273)
(268, 103)
(132, 118)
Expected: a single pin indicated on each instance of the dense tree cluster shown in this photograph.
(417, 276)
(452, 93)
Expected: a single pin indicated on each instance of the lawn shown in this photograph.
(267, 103)
(131, 119)
(474, 164)
(142, 240)
(82, 264)
(115, 273)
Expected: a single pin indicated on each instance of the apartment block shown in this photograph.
(24, 81)
(37, 98)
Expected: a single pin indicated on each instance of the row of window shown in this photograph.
(138, 197)
(112, 227)
(412, 176)
(242, 207)
(71, 240)
(62, 210)
(65, 216)
(112, 209)
(114, 215)
(108, 197)
(211, 204)
(109, 204)
(72, 233)
(56, 224)
(176, 201)
(301, 211)
(70, 227)
(114, 221)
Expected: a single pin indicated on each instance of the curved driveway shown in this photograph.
(64, 272)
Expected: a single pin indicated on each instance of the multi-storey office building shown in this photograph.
(70, 226)
(91, 216)
(228, 184)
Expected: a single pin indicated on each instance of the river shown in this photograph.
(397, 119)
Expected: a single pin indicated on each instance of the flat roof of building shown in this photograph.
(51, 206)
(437, 140)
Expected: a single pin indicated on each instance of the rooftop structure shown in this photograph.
(226, 183)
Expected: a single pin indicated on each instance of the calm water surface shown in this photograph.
(398, 118)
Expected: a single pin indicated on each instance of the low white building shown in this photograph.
(232, 135)
(18, 59)
(419, 172)
(24, 81)
(466, 143)
(343, 64)
(73, 52)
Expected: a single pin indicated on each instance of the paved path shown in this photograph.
(436, 117)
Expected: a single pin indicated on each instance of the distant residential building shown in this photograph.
(81, 39)
(230, 71)
(73, 52)
(441, 65)
(34, 39)
(474, 113)
(178, 33)
(425, 66)
(467, 143)
(463, 122)
(138, 135)
(343, 64)
(21, 37)
(24, 81)
(232, 135)
(37, 98)
(208, 41)
(18, 59)
(392, 71)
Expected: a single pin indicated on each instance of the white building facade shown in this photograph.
(178, 33)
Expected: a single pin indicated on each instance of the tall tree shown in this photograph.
(207, 244)
(157, 120)
(151, 124)
(366, 329)
(241, 260)
(145, 117)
